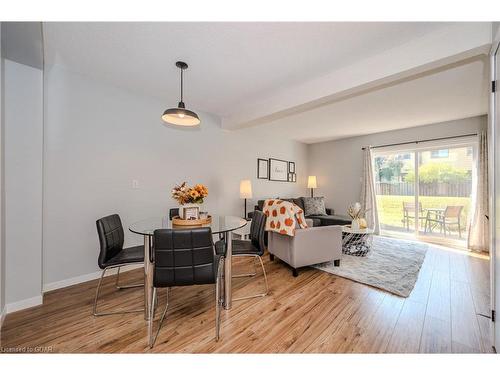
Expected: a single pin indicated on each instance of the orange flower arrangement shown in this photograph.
(184, 194)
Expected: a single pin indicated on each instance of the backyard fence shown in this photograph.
(434, 189)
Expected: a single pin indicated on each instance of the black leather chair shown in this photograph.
(185, 257)
(173, 212)
(113, 255)
(254, 248)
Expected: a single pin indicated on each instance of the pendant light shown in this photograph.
(180, 115)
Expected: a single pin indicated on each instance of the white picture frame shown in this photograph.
(191, 213)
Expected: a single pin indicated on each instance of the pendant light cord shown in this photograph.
(182, 71)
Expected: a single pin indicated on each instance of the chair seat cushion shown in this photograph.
(129, 255)
(242, 247)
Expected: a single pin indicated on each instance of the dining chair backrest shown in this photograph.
(184, 257)
(111, 237)
(257, 231)
(453, 211)
(410, 206)
(173, 212)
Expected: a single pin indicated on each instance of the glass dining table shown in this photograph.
(222, 225)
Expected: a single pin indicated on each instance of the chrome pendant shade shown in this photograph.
(180, 115)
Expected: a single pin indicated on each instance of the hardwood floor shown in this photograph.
(316, 312)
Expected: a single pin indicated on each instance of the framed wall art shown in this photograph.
(278, 170)
(263, 169)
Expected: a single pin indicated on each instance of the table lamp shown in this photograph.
(311, 184)
(245, 193)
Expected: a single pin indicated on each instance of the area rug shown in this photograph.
(392, 265)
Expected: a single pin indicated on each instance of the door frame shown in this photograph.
(494, 181)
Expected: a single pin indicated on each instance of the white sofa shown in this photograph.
(309, 246)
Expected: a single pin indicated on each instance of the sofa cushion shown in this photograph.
(299, 202)
(330, 220)
(314, 206)
(313, 222)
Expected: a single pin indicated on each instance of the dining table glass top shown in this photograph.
(219, 224)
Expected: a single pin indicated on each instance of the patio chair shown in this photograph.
(409, 213)
(449, 216)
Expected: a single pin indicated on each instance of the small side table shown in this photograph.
(356, 242)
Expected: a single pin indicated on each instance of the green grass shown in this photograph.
(390, 207)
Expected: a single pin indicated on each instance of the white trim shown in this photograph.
(3, 314)
(23, 304)
(83, 278)
(38, 300)
(493, 187)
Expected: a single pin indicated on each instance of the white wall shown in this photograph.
(99, 138)
(23, 184)
(495, 31)
(338, 164)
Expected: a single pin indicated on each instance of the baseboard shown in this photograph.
(38, 300)
(23, 304)
(83, 278)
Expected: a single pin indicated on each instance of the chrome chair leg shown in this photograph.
(152, 342)
(152, 310)
(217, 308)
(265, 274)
(119, 287)
(218, 299)
(265, 280)
(94, 310)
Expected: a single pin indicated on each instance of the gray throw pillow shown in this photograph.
(314, 206)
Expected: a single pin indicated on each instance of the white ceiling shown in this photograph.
(233, 65)
(230, 63)
(460, 91)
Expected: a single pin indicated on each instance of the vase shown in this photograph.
(355, 224)
(362, 223)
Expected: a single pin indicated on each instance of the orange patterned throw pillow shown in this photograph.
(283, 216)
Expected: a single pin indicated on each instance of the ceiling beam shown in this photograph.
(445, 46)
(22, 42)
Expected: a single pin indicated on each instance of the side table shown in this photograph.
(356, 242)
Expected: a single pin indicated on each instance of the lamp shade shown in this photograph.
(246, 189)
(311, 182)
(180, 116)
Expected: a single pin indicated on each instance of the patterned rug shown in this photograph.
(392, 265)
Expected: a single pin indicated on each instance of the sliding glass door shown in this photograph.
(426, 192)
(395, 194)
(445, 192)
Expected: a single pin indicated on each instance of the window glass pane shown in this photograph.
(440, 153)
(395, 192)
